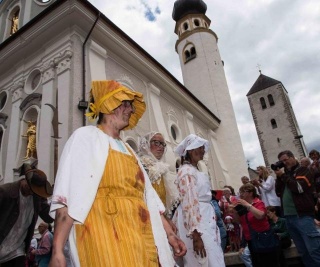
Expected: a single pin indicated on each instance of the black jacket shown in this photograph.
(9, 210)
(299, 181)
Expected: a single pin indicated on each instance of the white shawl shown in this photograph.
(80, 170)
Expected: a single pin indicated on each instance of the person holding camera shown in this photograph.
(251, 212)
(266, 185)
(294, 186)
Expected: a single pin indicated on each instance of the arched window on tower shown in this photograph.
(193, 52)
(271, 101)
(187, 55)
(263, 103)
(189, 52)
(196, 23)
(274, 124)
(185, 26)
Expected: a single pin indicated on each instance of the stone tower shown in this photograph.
(275, 122)
(203, 74)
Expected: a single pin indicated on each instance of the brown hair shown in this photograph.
(249, 188)
(286, 152)
(271, 209)
(265, 172)
(313, 151)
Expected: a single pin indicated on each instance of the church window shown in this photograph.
(3, 99)
(185, 26)
(271, 101)
(263, 103)
(189, 52)
(187, 55)
(196, 23)
(173, 132)
(193, 51)
(274, 124)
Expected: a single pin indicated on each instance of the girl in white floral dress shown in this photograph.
(195, 216)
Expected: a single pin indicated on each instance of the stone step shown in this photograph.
(291, 254)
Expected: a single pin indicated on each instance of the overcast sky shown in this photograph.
(282, 36)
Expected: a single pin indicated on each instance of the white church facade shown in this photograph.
(50, 51)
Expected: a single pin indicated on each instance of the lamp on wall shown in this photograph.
(82, 105)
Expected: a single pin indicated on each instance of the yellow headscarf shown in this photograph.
(108, 95)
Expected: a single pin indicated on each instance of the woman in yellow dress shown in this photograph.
(103, 201)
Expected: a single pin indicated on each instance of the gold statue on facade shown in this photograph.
(14, 23)
(31, 136)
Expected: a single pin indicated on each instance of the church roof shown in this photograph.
(182, 8)
(261, 83)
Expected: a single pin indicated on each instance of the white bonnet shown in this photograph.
(192, 141)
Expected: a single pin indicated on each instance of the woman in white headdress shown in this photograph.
(195, 216)
(151, 150)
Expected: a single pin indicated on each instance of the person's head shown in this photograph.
(42, 227)
(226, 192)
(228, 219)
(245, 180)
(38, 183)
(152, 143)
(287, 158)
(248, 192)
(231, 189)
(305, 162)
(271, 212)
(314, 154)
(263, 172)
(115, 103)
(192, 149)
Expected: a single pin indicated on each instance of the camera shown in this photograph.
(241, 210)
(276, 166)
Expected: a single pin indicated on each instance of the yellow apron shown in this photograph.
(117, 231)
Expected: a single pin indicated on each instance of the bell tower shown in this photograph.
(204, 76)
(276, 124)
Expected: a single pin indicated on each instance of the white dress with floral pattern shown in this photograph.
(196, 212)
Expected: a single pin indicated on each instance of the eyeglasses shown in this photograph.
(128, 103)
(158, 143)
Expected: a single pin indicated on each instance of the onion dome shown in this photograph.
(182, 8)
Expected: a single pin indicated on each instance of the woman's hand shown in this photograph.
(241, 250)
(179, 248)
(58, 260)
(243, 203)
